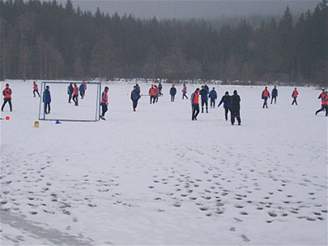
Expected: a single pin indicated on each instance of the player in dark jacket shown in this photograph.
(274, 95)
(213, 96)
(70, 92)
(173, 92)
(82, 90)
(46, 100)
(235, 108)
(204, 98)
(135, 96)
(226, 100)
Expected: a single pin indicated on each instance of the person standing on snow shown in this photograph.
(135, 96)
(204, 98)
(35, 89)
(82, 89)
(213, 96)
(104, 103)
(265, 96)
(226, 100)
(151, 94)
(7, 92)
(75, 94)
(274, 95)
(235, 108)
(324, 102)
(294, 96)
(160, 87)
(184, 91)
(70, 92)
(195, 104)
(46, 100)
(173, 92)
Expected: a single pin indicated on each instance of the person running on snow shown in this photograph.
(152, 94)
(104, 103)
(195, 104)
(294, 96)
(184, 91)
(135, 96)
(46, 100)
(35, 89)
(274, 95)
(70, 92)
(204, 98)
(82, 89)
(324, 102)
(235, 108)
(173, 92)
(226, 100)
(75, 94)
(7, 92)
(265, 96)
(213, 96)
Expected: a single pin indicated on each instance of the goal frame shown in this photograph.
(97, 109)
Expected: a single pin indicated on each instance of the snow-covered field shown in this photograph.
(156, 177)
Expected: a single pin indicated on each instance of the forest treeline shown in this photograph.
(47, 40)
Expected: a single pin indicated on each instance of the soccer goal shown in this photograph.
(64, 108)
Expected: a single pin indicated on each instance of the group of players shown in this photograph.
(231, 103)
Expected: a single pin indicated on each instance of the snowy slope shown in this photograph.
(156, 177)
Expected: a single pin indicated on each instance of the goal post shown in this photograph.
(87, 110)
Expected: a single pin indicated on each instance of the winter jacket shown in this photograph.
(235, 103)
(265, 94)
(75, 91)
(195, 98)
(46, 96)
(135, 95)
(226, 100)
(7, 93)
(274, 92)
(173, 91)
(104, 98)
(295, 93)
(213, 95)
(204, 94)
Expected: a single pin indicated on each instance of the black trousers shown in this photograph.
(212, 103)
(104, 109)
(37, 92)
(294, 101)
(226, 111)
(69, 97)
(204, 102)
(273, 99)
(323, 107)
(195, 111)
(235, 114)
(134, 104)
(76, 100)
(184, 95)
(46, 108)
(265, 103)
(5, 101)
(172, 98)
(153, 99)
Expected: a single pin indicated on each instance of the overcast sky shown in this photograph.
(195, 8)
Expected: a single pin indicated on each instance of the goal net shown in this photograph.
(86, 109)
